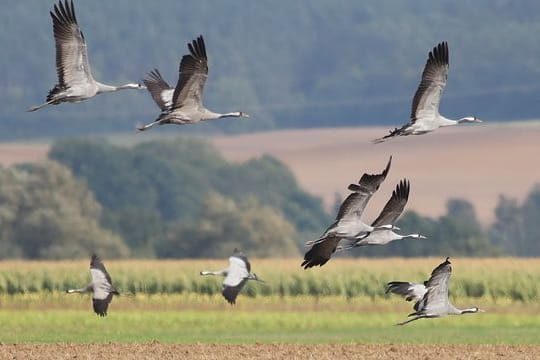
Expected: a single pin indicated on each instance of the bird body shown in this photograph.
(185, 106)
(348, 223)
(425, 116)
(236, 276)
(432, 297)
(388, 216)
(75, 80)
(100, 286)
(383, 237)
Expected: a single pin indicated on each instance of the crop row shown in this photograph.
(493, 279)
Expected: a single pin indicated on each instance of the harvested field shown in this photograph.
(471, 162)
(157, 350)
(16, 153)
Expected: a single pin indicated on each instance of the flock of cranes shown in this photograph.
(183, 105)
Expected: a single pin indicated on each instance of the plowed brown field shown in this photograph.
(278, 351)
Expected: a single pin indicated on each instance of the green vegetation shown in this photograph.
(487, 280)
(276, 60)
(263, 326)
(516, 227)
(458, 233)
(180, 198)
(46, 213)
(343, 303)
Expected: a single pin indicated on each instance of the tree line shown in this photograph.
(288, 64)
(180, 198)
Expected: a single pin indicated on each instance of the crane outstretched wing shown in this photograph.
(426, 100)
(321, 252)
(72, 66)
(395, 205)
(237, 275)
(161, 92)
(355, 203)
(410, 291)
(193, 74)
(435, 301)
(102, 288)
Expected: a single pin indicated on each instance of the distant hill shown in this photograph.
(289, 64)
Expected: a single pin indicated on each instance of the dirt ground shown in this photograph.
(278, 351)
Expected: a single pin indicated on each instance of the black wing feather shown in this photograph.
(196, 62)
(395, 205)
(320, 253)
(101, 306)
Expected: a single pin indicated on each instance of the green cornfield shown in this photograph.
(494, 280)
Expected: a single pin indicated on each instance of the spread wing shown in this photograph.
(395, 205)
(236, 272)
(426, 100)
(161, 92)
(355, 203)
(231, 292)
(435, 301)
(193, 75)
(102, 289)
(353, 206)
(101, 305)
(410, 291)
(236, 278)
(72, 64)
(321, 252)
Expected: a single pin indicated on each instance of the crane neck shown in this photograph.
(104, 88)
(447, 122)
(218, 273)
(469, 310)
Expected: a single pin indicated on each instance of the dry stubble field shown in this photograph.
(157, 350)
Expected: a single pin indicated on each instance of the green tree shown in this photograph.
(456, 233)
(224, 225)
(516, 227)
(531, 216)
(48, 214)
(155, 185)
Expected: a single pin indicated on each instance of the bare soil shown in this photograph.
(265, 351)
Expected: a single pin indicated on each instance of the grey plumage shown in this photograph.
(75, 80)
(388, 216)
(348, 223)
(425, 116)
(236, 276)
(434, 302)
(186, 104)
(161, 91)
(100, 286)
